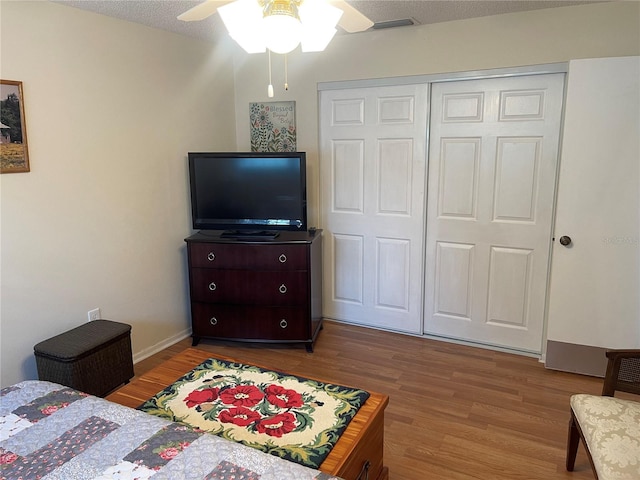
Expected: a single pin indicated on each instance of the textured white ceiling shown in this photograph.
(162, 13)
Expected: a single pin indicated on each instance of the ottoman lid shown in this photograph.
(81, 341)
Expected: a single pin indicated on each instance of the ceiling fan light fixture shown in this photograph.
(243, 20)
(319, 20)
(282, 33)
(319, 12)
(281, 25)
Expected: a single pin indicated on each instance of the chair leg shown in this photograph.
(573, 440)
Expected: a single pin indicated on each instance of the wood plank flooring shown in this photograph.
(455, 412)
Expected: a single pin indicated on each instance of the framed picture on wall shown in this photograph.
(273, 126)
(14, 154)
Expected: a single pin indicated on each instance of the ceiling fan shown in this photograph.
(280, 25)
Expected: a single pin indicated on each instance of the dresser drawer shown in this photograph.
(244, 322)
(251, 257)
(249, 287)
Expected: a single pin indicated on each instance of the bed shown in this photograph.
(49, 430)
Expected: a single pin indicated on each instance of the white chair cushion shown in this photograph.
(611, 428)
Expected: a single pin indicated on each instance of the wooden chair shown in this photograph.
(609, 427)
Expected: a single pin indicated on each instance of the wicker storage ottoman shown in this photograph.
(94, 357)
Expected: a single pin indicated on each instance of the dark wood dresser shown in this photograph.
(257, 291)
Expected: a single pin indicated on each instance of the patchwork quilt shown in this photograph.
(55, 432)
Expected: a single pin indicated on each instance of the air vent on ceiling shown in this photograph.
(404, 22)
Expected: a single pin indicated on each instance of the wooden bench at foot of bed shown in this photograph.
(360, 445)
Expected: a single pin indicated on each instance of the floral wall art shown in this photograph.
(273, 126)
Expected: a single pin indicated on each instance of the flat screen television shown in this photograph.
(248, 193)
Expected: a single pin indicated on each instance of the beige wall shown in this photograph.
(530, 38)
(111, 109)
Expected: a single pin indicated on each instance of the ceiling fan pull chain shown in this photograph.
(286, 72)
(270, 87)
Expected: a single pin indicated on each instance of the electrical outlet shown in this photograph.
(93, 314)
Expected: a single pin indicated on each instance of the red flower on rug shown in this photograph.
(283, 397)
(242, 396)
(201, 396)
(240, 416)
(278, 425)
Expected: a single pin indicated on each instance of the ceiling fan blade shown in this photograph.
(352, 20)
(202, 11)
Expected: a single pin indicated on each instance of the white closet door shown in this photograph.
(492, 172)
(373, 162)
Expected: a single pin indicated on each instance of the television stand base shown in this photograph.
(251, 235)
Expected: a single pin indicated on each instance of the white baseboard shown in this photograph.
(167, 342)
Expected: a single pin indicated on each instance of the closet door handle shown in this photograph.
(565, 241)
(283, 289)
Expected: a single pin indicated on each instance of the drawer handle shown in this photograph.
(211, 257)
(282, 258)
(212, 286)
(283, 323)
(364, 473)
(213, 321)
(283, 289)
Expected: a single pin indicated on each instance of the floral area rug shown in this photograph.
(294, 418)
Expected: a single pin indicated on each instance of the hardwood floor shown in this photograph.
(454, 413)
